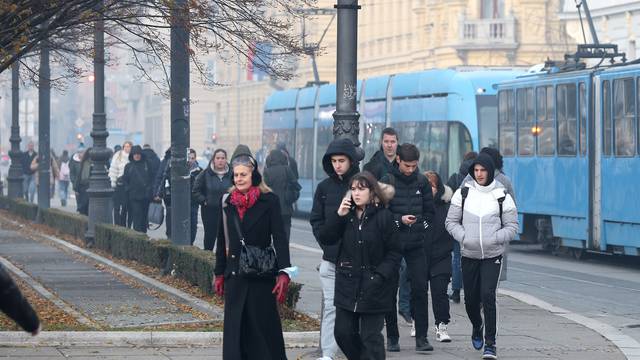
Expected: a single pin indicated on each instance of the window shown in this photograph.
(583, 119)
(374, 122)
(567, 119)
(606, 118)
(526, 121)
(624, 112)
(491, 9)
(304, 143)
(546, 128)
(506, 123)
(487, 107)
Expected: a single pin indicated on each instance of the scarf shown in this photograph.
(244, 202)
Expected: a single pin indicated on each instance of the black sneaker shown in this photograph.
(422, 344)
(392, 345)
(477, 338)
(490, 352)
(455, 296)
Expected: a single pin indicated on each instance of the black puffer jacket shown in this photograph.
(330, 192)
(281, 179)
(413, 197)
(368, 260)
(208, 187)
(15, 305)
(439, 243)
(379, 166)
(137, 177)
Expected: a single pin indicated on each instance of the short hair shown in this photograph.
(219, 151)
(146, 146)
(408, 152)
(389, 131)
(192, 151)
(471, 155)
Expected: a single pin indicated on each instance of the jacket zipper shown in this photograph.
(481, 247)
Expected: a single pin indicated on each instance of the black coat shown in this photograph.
(413, 197)
(137, 180)
(368, 259)
(279, 177)
(379, 166)
(208, 188)
(249, 304)
(439, 243)
(15, 305)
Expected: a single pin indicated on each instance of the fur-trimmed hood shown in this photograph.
(447, 195)
(388, 191)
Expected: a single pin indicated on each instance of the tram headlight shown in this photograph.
(536, 130)
(481, 91)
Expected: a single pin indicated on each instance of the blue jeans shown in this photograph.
(63, 191)
(404, 294)
(29, 187)
(456, 269)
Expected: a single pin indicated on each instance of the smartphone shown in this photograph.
(348, 195)
(412, 217)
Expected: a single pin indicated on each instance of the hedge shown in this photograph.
(186, 262)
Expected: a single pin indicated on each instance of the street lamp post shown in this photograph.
(100, 191)
(345, 118)
(44, 125)
(15, 176)
(180, 184)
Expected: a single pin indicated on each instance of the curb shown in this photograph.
(629, 347)
(146, 338)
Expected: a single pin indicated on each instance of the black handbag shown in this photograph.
(155, 215)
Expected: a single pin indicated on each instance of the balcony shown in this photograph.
(489, 34)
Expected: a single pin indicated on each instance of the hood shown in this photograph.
(136, 150)
(495, 156)
(276, 157)
(486, 162)
(464, 166)
(388, 191)
(342, 146)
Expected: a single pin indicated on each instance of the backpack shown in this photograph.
(64, 171)
(465, 191)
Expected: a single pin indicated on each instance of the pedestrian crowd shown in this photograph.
(390, 235)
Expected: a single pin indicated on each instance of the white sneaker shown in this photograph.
(324, 358)
(413, 329)
(441, 333)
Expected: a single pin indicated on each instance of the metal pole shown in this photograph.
(180, 184)
(592, 28)
(345, 118)
(100, 191)
(44, 125)
(15, 176)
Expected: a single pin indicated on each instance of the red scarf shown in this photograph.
(243, 202)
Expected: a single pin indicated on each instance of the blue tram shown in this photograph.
(446, 113)
(571, 145)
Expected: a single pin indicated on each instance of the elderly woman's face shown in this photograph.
(242, 177)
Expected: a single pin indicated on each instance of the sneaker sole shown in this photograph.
(489, 356)
(444, 340)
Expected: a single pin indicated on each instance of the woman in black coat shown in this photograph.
(208, 188)
(137, 180)
(252, 328)
(368, 262)
(437, 247)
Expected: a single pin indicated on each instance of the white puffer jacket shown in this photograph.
(118, 162)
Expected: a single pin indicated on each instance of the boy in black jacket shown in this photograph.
(340, 162)
(412, 208)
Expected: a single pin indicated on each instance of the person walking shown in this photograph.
(437, 249)
(119, 160)
(281, 179)
(383, 161)
(64, 178)
(412, 208)
(483, 218)
(291, 161)
(162, 188)
(194, 171)
(252, 328)
(74, 174)
(208, 189)
(367, 264)
(54, 172)
(29, 181)
(340, 162)
(15, 306)
(82, 182)
(137, 182)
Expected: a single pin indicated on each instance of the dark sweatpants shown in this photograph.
(138, 212)
(439, 275)
(359, 335)
(480, 282)
(417, 268)
(210, 221)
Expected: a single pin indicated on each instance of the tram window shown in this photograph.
(506, 124)
(567, 119)
(374, 122)
(606, 118)
(546, 128)
(624, 117)
(304, 143)
(583, 119)
(526, 121)
(459, 144)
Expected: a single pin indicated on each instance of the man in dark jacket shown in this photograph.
(162, 188)
(137, 181)
(279, 177)
(15, 305)
(29, 181)
(152, 160)
(456, 179)
(412, 208)
(340, 162)
(384, 159)
(293, 165)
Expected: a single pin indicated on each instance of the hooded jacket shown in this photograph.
(279, 177)
(152, 160)
(379, 166)
(439, 242)
(330, 192)
(480, 231)
(209, 187)
(137, 177)
(458, 178)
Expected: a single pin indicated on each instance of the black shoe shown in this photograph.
(392, 345)
(455, 296)
(422, 344)
(406, 317)
(477, 338)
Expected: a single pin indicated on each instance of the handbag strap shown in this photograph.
(225, 227)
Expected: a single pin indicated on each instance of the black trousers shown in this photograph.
(120, 206)
(139, 210)
(391, 318)
(167, 218)
(480, 281)
(210, 221)
(286, 219)
(439, 298)
(359, 335)
(417, 268)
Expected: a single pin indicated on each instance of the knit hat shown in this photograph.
(241, 150)
(486, 162)
(242, 156)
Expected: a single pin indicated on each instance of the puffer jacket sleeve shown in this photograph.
(452, 223)
(428, 210)
(389, 266)
(509, 221)
(316, 219)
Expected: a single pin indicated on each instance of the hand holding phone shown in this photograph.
(408, 219)
(345, 205)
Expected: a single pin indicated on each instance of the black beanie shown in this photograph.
(495, 156)
(486, 162)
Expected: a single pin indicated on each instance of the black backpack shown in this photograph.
(465, 191)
